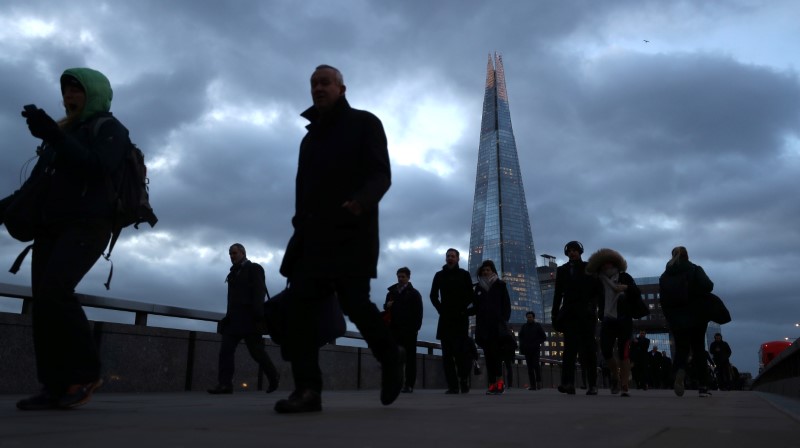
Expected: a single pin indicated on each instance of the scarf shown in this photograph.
(611, 294)
(235, 269)
(487, 282)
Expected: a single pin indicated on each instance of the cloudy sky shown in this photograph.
(692, 138)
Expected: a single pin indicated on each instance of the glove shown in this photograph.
(42, 126)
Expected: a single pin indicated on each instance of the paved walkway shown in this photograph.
(519, 418)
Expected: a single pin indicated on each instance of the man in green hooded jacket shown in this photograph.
(76, 162)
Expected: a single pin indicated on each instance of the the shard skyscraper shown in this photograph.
(501, 229)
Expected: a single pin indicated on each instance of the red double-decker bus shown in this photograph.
(769, 351)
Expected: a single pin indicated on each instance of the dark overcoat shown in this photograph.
(247, 289)
(343, 157)
(492, 311)
(451, 295)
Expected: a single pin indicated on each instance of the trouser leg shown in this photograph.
(532, 377)
(408, 340)
(589, 355)
(300, 344)
(449, 363)
(227, 355)
(65, 349)
(698, 347)
(353, 293)
(255, 345)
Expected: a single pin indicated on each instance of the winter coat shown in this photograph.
(247, 289)
(692, 314)
(531, 337)
(575, 296)
(406, 308)
(492, 310)
(455, 288)
(343, 157)
(82, 166)
(720, 351)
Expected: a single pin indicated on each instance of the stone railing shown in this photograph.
(141, 358)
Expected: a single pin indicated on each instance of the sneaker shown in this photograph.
(614, 388)
(78, 394)
(531, 388)
(592, 391)
(451, 392)
(703, 392)
(492, 389)
(501, 387)
(679, 387)
(625, 392)
(39, 402)
(407, 390)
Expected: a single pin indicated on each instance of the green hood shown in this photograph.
(97, 88)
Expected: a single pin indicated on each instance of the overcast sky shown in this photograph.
(692, 138)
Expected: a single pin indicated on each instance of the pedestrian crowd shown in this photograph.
(71, 203)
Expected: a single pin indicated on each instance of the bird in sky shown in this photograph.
(646, 41)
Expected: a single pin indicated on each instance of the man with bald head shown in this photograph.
(343, 172)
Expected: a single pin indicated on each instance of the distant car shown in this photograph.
(769, 351)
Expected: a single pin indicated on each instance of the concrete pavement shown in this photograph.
(426, 418)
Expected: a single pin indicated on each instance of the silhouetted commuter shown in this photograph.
(342, 174)
(721, 353)
(640, 346)
(687, 284)
(451, 295)
(404, 304)
(575, 314)
(244, 319)
(531, 337)
(492, 307)
(615, 309)
(78, 160)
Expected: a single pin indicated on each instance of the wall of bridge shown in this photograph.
(138, 358)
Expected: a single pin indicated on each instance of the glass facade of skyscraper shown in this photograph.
(501, 229)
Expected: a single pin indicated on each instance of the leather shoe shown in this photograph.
(220, 389)
(300, 401)
(568, 389)
(273, 383)
(392, 376)
(592, 391)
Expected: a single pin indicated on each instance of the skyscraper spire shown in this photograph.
(501, 229)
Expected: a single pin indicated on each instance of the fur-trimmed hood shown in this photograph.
(603, 256)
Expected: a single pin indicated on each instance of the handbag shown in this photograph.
(24, 215)
(330, 326)
(638, 308)
(715, 310)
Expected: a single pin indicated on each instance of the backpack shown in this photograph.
(131, 194)
(674, 289)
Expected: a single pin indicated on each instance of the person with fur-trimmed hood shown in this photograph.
(614, 311)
